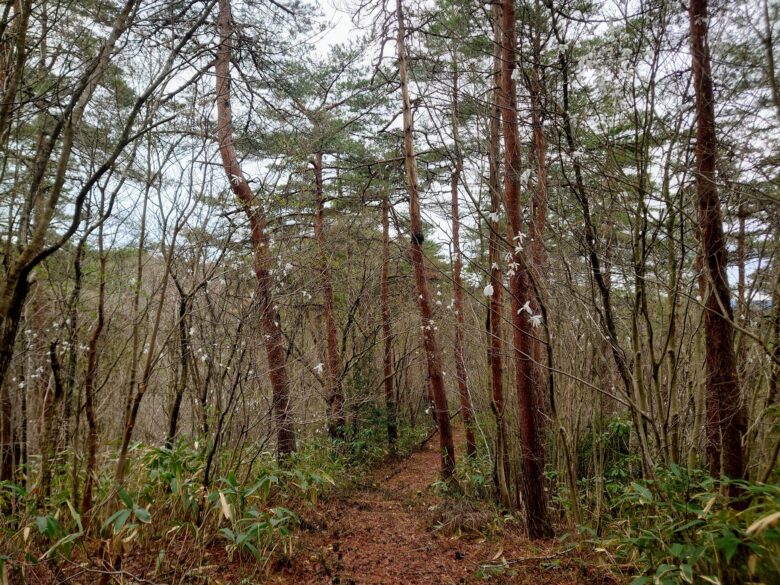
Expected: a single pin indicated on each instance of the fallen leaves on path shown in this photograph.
(384, 533)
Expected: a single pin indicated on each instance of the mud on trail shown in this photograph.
(395, 529)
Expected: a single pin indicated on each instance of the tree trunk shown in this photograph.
(184, 368)
(51, 401)
(722, 384)
(460, 363)
(430, 342)
(45, 193)
(539, 219)
(90, 383)
(10, 449)
(387, 331)
(496, 301)
(532, 448)
(335, 395)
(269, 318)
(72, 327)
(601, 277)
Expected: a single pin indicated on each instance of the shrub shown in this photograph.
(679, 528)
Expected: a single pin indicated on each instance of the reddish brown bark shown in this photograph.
(387, 331)
(430, 342)
(536, 230)
(335, 395)
(496, 303)
(269, 318)
(712, 402)
(722, 383)
(532, 448)
(460, 363)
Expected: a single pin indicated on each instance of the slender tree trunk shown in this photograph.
(430, 342)
(51, 401)
(769, 49)
(532, 448)
(539, 211)
(774, 380)
(496, 301)
(143, 383)
(460, 363)
(742, 312)
(139, 273)
(601, 277)
(387, 331)
(10, 449)
(72, 325)
(722, 382)
(184, 368)
(90, 383)
(333, 367)
(269, 317)
(542, 352)
(19, 21)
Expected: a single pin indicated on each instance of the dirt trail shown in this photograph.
(385, 533)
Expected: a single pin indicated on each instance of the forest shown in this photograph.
(389, 291)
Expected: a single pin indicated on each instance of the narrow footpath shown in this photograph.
(395, 529)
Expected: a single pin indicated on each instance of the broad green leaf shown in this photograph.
(645, 495)
(686, 573)
(143, 515)
(125, 497)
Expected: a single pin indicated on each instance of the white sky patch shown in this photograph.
(340, 27)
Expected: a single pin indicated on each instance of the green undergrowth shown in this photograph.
(680, 528)
(251, 510)
(366, 445)
(469, 507)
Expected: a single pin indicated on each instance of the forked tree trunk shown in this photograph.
(54, 150)
(387, 331)
(723, 391)
(532, 448)
(335, 395)
(269, 318)
(460, 363)
(430, 343)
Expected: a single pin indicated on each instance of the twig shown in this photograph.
(436, 430)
